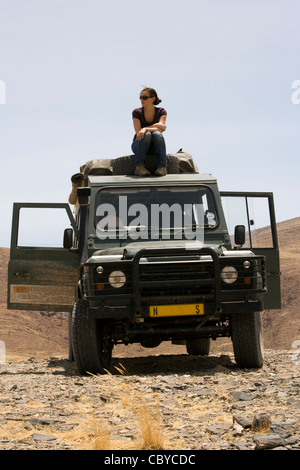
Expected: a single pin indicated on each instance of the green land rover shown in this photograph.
(146, 260)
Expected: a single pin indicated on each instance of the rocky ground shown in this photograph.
(156, 402)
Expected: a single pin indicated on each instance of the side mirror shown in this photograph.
(239, 235)
(68, 238)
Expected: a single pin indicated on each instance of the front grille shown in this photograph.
(176, 279)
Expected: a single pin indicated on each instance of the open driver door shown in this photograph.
(42, 276)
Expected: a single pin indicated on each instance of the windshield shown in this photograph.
(166, 212)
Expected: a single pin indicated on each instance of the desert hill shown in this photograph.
(42, 334)
(282, 327)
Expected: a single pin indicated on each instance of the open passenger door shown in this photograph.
(256, 212)
(42, 274)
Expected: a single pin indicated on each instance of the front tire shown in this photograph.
(91, 343)
(70, 355)
(247, 339)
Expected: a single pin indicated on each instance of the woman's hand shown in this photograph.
(140, 135)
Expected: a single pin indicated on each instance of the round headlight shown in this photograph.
(229, 274)
(246, 264)
(117, 279)
(99, 269)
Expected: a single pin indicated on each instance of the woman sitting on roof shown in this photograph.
(149, 123)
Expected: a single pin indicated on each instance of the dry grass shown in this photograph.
(144, 410)
(129, 420)
(135, 420)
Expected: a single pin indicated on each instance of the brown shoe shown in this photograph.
(140, 170)
(161, 171)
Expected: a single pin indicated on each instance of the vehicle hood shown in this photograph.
(131, 249)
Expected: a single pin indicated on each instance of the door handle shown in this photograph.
(21, 274)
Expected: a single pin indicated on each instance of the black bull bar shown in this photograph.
(158, 252)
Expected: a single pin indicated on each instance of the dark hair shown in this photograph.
(152, 94)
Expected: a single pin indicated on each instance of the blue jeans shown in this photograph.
(151, 143)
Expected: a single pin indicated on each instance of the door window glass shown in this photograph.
(254, 214)
(42, 227)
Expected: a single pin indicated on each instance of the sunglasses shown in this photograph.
(144, 97)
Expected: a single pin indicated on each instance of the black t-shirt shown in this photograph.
(138, 113)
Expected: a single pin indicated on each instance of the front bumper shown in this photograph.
(176, 276)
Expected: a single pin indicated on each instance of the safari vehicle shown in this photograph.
(197, 269)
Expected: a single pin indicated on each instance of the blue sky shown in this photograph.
(73, 70)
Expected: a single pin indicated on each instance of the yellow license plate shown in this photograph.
(176, 310)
